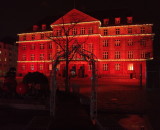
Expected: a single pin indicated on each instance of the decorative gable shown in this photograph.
(74, 16)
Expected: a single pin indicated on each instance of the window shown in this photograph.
(117, 31)
(23, 67)
(32, 67)
(130, 54)
(90, 66)
(90, 30)
(50, 56)
(58, 32)
(32, 46)
(24, 37)
(50, 66)
(117, 20)
(23, 47)
(41, 46)
(33, 37)
(82, 30)
(143, 55)
(105, 32)
(105, 43)
(143, 42)
(117, 55)
(74, 31)
(58, 48)
(105, 67)
(130, 67)
(42, 36)
(23, 57)
(41, 57)
(129, 30)
(90, 47)
(32, 56)
(130, 42)
(129, 19)
(117, 66)
(117, 42)
(41, 67)
(105, 55)
(49, 45)
(51, 34)
(142, 30)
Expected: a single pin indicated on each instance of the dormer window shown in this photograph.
(105, 22)
(117, 20)
(129, 19)
(35, 27)
(43, 26)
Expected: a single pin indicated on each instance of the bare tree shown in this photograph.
(68, 46)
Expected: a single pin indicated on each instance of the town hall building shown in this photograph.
(120, 49)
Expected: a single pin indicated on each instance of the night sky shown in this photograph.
(18, 15)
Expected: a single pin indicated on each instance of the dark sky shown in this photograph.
(18, 15)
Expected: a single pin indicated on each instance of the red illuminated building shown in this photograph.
(121, 50)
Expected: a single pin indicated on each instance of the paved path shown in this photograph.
(70, 115)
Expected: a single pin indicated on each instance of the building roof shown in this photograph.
(74, 16)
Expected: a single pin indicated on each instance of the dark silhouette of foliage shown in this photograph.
(35, 78)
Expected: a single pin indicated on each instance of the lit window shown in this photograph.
(90, 30)
(105, 43)
(117, 66)
(50, 67)
(105, 32)
(117, 31)
(142, 30)
(74, 31)
(82, 30)
(0, 52)
(130, 54)
(32, 67)
(130, 42)
(129, 30)
(117, 42)
(105, 67)
(130, 67)
(105, 55)
(117, 55)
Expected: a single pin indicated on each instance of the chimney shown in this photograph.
(105, 22)
(43, 26)
(129, 19)
(35, 27)
(117, 20)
